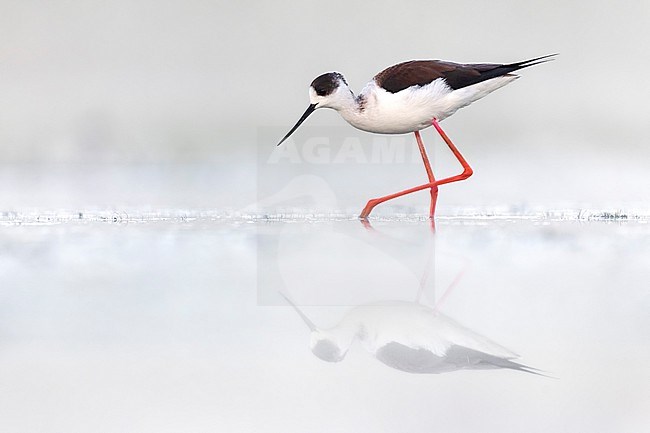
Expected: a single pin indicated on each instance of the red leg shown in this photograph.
(467, 172)
(432, 179)
(433, 186)
(375, 201)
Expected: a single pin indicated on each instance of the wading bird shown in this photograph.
(409, 97)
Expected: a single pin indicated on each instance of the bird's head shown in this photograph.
(326, 90)
(326, 346)
(329, 90)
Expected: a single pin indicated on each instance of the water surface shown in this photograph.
(172, 321)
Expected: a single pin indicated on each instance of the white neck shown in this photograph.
(347, 105)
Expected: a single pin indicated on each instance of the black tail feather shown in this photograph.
(476, 73)
(531, 62)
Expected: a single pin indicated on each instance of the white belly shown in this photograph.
(414, 108)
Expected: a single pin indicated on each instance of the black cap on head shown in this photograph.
(327, 83)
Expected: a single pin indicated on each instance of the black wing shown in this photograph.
(422, 72)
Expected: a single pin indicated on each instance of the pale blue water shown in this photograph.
(170, 320)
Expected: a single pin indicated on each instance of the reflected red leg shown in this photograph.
(467, 172)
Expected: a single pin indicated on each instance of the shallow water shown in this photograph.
(172, 321)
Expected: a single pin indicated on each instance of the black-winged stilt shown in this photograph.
(409, 97)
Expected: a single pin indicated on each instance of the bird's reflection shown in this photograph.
(410, 337)
(407, 336)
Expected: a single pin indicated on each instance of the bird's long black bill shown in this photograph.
(309, 110)
(308, 322)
